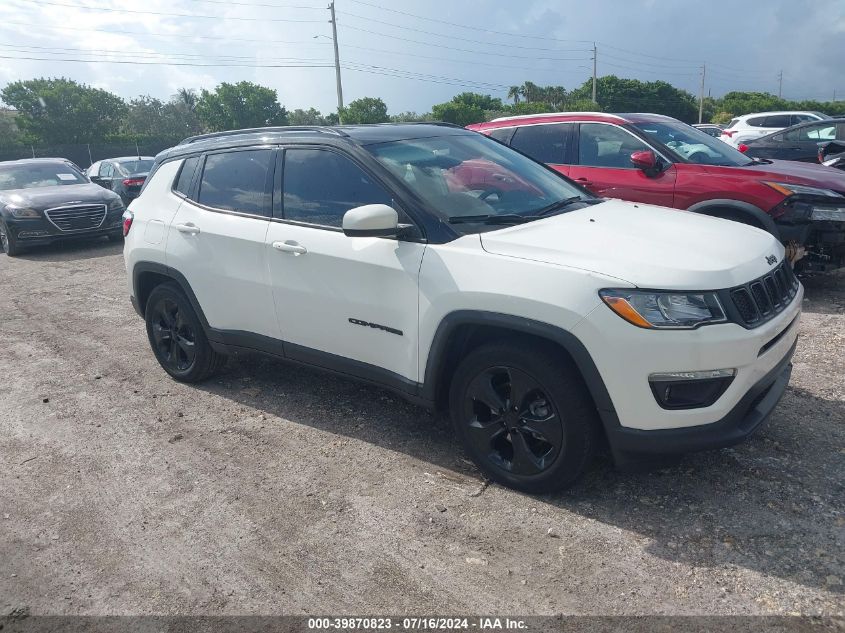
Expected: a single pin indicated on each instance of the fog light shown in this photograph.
(25, 234)
(690, 389)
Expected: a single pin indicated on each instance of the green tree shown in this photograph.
(485, 102)
(632, 95)
(10, 135)
(411, 117)
(514, 93)
(240, 105)
(311, 116)
(459, 113)
(365, 110)
(61, 110)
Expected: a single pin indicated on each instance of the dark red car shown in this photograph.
(659, 160)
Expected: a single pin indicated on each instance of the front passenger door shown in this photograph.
(346, 303)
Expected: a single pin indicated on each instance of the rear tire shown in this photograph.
(524, 416)
(9, 243)
(177, 337)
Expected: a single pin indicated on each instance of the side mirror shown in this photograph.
(371, 220)
(644, 159)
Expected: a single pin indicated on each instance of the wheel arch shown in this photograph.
(461, 331)
(147, 275)
(737, 208)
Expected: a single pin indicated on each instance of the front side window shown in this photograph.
(545, 143)
(470, 180)
(691, 144)
(603, 145)
(237, 181)
(40, 174)
(319, 186)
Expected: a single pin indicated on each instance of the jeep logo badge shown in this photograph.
(771, 259)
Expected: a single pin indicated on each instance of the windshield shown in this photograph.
(32, 175)
(692, 144)
(471, 175)
(130, 167)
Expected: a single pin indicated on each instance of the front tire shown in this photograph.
(524, 416)
(8, 242)
(177, 337)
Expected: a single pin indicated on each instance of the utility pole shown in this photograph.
(336, 65)
(701, 94)
(780, 84)
(594, 73)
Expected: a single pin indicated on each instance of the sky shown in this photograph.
(417, 53)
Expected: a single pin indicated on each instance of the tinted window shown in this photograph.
(236, 181)
(107, 170)
(543, 143)
(603, 145)
(811, 133)
(795, 119)
(502, 134)
(732, 123)
(777, 120)
(320, 186)
(186, 174)
(127, 168)
(756, 121)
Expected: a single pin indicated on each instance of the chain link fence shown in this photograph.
(84, 154)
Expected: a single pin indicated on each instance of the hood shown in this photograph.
(794, 172)
(647, 246)
(40, 198)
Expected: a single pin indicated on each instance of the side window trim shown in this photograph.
(278, 191)
(191, 192)
(268, 182)
(577, 145)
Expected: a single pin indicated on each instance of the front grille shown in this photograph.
(761, 299)
(77, 218)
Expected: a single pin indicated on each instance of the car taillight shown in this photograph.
(728, 133)
(133, 182)
(128, 216)
(742, 147)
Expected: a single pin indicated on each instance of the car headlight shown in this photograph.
(664, 310)
(23, 212)
(830, 214)
(116, 205)
(788, 189)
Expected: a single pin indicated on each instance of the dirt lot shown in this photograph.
(276, 490)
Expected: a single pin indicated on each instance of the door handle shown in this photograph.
(189, 227)
(584, 181)
(294, 248)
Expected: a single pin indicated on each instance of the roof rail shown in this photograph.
(553, 114)
(256, 130)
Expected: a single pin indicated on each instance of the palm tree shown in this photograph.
(513, 93)
(187, 98)
(529, 90)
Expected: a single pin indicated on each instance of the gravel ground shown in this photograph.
(275, 490)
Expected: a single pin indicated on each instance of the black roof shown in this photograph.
(337, 135)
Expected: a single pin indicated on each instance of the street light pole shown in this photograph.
(336, 65)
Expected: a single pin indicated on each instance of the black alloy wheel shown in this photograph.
(174, 337)
(177, 336)
(524, 415)
(511, 420)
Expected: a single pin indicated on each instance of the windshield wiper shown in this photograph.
(562, 204)
(504, 218)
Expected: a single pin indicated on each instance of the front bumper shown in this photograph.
(40, 231)
(749, 413)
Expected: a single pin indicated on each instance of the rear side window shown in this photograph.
(757, 121)
(502, 134)
(320, 186)
(777, 120)
(544, 143)
(186, 174)
(237, 181)
(732, 123)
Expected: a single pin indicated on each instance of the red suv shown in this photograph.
(659, 160)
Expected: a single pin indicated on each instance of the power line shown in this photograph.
(178, 15)
(166, 63)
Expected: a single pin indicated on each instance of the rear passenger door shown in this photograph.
(216, 240)
(549, 143)
(346, 303)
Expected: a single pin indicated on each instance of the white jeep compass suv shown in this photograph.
(443, 265)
